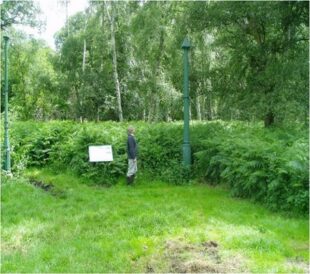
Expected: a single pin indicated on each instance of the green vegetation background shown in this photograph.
(266, 165)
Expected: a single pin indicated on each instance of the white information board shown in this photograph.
(100, 153)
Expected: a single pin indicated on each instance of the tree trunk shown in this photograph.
(79, 105)
(157, 107)
(198, 108)
(67, 23)
(115, 73)
(209, 107)
(150, 108)
(98, 114)
(154, 102)
(84, 56)
(269, 119)
(144, 115)
(67, 15)
(160, 53)
(202, 107)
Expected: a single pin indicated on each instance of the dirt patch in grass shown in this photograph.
(298, 263)
(182, 257)
(50, 188)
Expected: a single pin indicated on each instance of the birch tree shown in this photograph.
(109, 7)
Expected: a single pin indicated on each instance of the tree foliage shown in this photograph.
(248, 61)
(19, 13)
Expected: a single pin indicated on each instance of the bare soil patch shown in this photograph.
(206, 257)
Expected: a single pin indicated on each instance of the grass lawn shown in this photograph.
(151, 227)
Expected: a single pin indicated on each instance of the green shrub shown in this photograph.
(33, 142)
(267, 165)
(270, 166)
(73, 154)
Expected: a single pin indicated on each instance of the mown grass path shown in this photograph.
(151, 227)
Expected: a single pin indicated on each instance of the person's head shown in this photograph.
(131, 130)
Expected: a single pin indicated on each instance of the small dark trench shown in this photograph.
(42, 185)
(48, 187)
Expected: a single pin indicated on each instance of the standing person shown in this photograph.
(132, 150)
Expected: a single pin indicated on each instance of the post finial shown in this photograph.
(186, 44)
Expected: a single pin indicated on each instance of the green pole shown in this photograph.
(7, 159)
(186, 142)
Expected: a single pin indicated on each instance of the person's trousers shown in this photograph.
(132, 167)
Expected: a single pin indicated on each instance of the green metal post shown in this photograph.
(186, 141)
(7, 160)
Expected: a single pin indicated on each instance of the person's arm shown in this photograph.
(131, 147)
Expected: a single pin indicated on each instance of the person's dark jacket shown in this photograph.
(132, 148)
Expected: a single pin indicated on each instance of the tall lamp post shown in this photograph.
(7, 159)
(186, 143)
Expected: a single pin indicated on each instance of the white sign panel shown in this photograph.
(100, 153)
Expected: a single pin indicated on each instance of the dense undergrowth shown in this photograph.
(267, 165)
